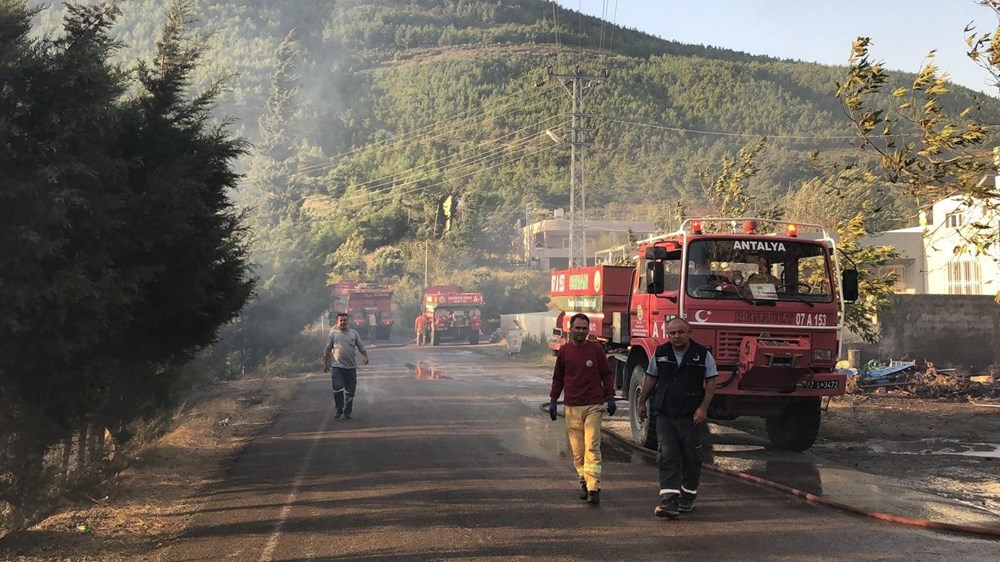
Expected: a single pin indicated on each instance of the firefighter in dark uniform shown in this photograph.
(682, 374)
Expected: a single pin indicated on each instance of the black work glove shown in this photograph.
(612, 408)
(552, 410)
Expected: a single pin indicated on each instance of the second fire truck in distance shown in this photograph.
(452, 314)
(368, 307)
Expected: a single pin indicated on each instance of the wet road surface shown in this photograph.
(454, 460)
(740, 452)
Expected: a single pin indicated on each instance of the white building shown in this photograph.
(546, 243)
(935, 258)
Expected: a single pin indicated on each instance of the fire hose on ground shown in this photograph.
(813, 498)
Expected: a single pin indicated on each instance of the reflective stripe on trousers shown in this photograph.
(344, 382)
(583, 427)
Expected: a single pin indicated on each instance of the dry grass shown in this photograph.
(140, 508)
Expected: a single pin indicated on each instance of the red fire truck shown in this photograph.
(758, 293)
(368, 307)
(452, 314)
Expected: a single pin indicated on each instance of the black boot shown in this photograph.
(594, 497)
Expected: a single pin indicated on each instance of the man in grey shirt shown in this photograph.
(340, 348)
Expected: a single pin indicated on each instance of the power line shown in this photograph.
(614, 20)
(604, 16)
(470, 161)
(426, 130)
(421, 134)
(379, 182)
(391, 195)
(413, 172)
(728, 134)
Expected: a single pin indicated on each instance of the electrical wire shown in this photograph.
(604, 16)
(417, 135)
(579, 28)
(423, 187)
(472, 160)
(414, 172)
(614, 22)
(727, 134)
(427, 130)
(555, 26)
(379, 182)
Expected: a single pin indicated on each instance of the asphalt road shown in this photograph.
(455, 461)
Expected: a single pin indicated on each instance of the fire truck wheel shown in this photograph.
(796, 428)
(643, 431)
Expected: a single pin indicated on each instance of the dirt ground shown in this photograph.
(148, 505)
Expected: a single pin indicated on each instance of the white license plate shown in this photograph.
(820, 385)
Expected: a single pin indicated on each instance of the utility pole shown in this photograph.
(578, 85)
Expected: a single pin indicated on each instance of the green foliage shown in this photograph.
(510, 292)
(830, 201)
(874, 288)
(407, 298)
(387, 264)
(347, 262)
(927, 149)
(369, 115)
(628, 258)
(122, 253)
(65, 290)
(726, 195)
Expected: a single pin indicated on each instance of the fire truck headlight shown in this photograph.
(822, 355)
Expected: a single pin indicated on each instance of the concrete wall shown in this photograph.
(538, 325)
(960, 331)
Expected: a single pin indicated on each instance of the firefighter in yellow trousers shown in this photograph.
(583, 375)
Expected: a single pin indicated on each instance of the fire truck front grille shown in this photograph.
(727, 348)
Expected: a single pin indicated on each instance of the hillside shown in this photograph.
(394, 135)
(454, 84)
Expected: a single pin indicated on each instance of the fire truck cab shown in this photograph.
(760, 294)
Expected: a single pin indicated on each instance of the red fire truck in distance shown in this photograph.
(765, 304)
(368, 307)
(452, 314)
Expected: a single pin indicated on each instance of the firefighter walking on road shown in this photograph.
(339, 356)
(682, 373)
(420, 327)
(583, 374)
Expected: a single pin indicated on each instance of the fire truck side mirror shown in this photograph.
(654, 277)
(849, 285)
(656, 253)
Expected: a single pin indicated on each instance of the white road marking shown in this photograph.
(272, 541)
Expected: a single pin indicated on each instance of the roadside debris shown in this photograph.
(909, 378)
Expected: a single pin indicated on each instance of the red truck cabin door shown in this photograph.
(650, 312)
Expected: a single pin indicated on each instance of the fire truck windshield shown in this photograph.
(758, 269)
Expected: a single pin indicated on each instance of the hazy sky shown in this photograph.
(902, 31)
